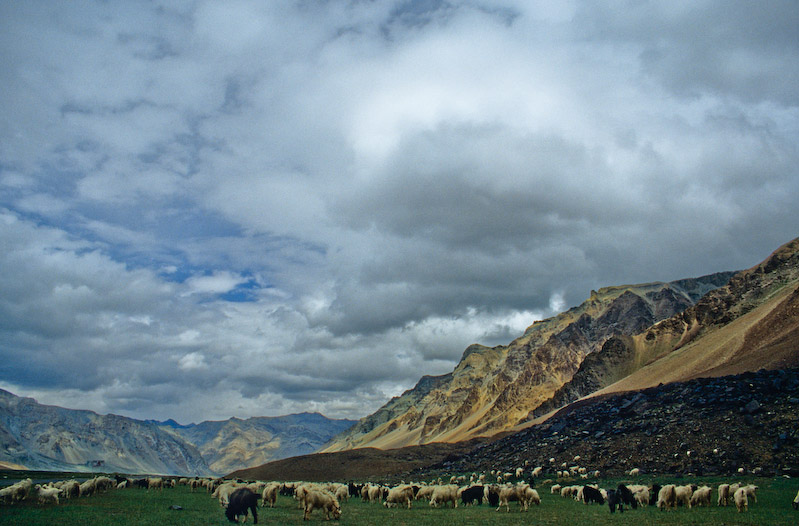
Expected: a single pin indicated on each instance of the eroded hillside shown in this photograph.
(493, 389)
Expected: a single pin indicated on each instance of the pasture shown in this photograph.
(141, 507)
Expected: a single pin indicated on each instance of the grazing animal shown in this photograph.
(239, 502)
(627, 496)
(667, 497)
(724, 494)
(443, 495)
(522, 493)
(471, 494)
(701, 497)
(47, 494)
(684, 494)
(592, 494)
(400, 495)
(741, 501)
(653, 494)
(641, 493)
(321, 500)
(492, 494)
(751, 490)
(269, 495)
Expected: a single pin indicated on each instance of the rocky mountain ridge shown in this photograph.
(493, 389)
(44, 437)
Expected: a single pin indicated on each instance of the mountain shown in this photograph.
(47, 437)
(235, 444)
(705, 426)
(43, 437)
(494, 389)
(749, 324)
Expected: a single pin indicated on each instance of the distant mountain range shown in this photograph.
(42, 437)
(232, 444)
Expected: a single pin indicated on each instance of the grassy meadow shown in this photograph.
(140, 507)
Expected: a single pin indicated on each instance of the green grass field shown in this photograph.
(140, 507)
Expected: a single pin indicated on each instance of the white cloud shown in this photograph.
(310, 205)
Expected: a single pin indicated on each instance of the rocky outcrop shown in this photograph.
(493, 389)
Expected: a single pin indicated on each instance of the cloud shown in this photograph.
(300, 206)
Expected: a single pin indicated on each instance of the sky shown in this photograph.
(213, 209)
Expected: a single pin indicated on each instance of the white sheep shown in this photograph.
(555, 489)
(269, 494)
(751, 490)
(724, 494)
(521, 492)
(684, 494)
(222, 492)
(425, 492)
(321, 500)
(399, 495)
(87, 488)
(47, 494)
(538, 471)
(667, 497)
(640, 493)
(701, 496)
(443, 495)
(635, 472)
(741, 502)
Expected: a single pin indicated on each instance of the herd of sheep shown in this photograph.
(51, 492)
(237, 497)
(328, 497)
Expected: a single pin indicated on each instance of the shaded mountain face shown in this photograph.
(494, 389)
(53, 438)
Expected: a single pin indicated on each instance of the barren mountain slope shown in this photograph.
(752, 323)
(749, 324)
(493, 389)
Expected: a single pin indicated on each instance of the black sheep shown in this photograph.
(493, 496)
(621, 496)
(591, 494)
(240, 500)
(653, 495)
(614, 500)
(475, 493)
(627, 496)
